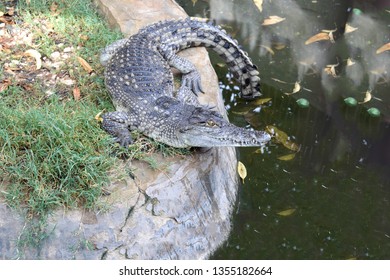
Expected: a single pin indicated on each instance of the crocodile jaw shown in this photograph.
(226, 135)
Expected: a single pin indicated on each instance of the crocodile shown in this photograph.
(140, 81)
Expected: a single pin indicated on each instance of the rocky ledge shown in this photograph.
(182, 212)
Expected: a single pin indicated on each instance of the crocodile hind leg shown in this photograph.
(110, 50)
(191, 77)
(117, 124)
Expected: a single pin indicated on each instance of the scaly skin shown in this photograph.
(140, 81)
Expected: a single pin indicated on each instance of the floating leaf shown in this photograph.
(350, 101)
(241, 171)
(261, 101)
(303, 103)
(367, 97)
(287, 157)
(272, 20)
(297, 87)
(318, 37)
(374, 112)
(279, 46)
(350, 62)
(85, 64)
(287, 212)
(349, 29)
(35, 54)
(268, 49)
(76, 93)
(357, 11)
(331, 69)
(259, 4)
(384, 48)
(282, 137)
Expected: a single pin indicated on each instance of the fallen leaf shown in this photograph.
(349, 29)
(76, 93)
(287, 212)
(10, 11)
(318, 37)
(241, 171)
(84, 37)
(85, 65)
(367, 97)
(272, 20)
(282, 137)
(297, 87)
(35, 54)
(261, 101)
(384, 48)
(53, 7)
(98, 116)
(259, 4)
(287, 157)
(4, 84)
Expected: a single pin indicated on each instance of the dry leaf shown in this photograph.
(297, 87)
(367, 97)
(350, 62)
(318, 37)
(35, 54)
(76, 93)
(268, 49)
(282, 137)
(349, 29)
(287, 157)
(384, 48)
(241, 171)
(4, 85)
(85, 65)
(98, 116)
(331, 69)
(272, 20)
(53, 7)
(279, 46)
(259, 4)
(287, 212)
(261, 101)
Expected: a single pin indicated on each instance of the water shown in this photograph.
(337, 186)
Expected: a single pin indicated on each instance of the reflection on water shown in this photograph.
(338, 181)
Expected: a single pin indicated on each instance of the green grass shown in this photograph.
(53, 152)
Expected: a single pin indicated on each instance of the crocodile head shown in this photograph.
(207, 128)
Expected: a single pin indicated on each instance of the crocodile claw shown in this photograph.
(192, 81)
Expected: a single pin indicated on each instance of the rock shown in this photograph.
(182, 211)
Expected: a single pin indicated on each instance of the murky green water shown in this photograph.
(336, 188)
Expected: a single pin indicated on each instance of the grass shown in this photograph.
(53, 152)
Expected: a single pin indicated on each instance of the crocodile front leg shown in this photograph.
(117, 124)
(186, 95)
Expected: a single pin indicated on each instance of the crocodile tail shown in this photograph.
(192, 32)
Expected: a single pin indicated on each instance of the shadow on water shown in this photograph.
(337, 186)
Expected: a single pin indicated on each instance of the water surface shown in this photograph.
(336, 189)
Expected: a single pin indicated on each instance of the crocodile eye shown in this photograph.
(211, 123)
